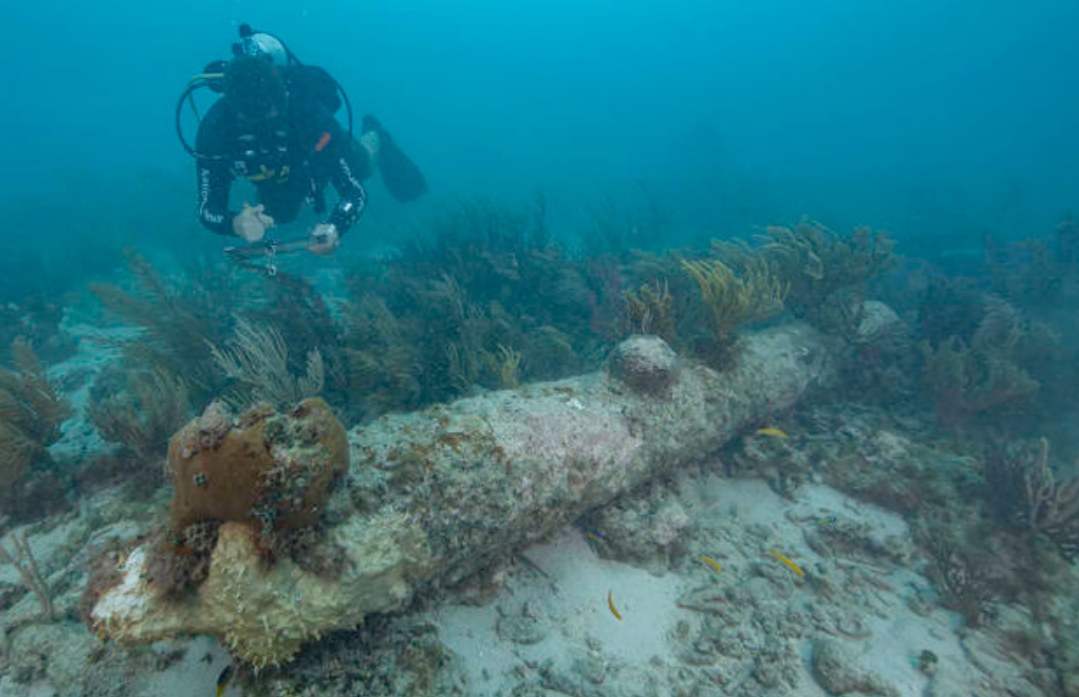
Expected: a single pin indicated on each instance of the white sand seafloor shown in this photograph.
(571, 606)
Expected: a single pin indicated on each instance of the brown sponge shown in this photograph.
(269, 469)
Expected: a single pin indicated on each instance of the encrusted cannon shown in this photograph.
(434, 496)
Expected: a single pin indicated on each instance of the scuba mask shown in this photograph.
(256, 92)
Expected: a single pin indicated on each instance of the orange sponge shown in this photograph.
(269, 469)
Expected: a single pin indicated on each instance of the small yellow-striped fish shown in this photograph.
(610, 604)
(709, 561)
(773, 432)
(787, 562)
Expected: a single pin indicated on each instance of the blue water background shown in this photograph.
(939, 120)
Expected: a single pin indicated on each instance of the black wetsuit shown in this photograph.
(290, 165)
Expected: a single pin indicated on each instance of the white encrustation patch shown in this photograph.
(128, 599)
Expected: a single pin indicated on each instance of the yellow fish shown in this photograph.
(610, 604)
(773, 432)
(786, 562)
(223, 679)
(709, 561)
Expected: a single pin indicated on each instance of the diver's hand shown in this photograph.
(251, 224)
(324, 240)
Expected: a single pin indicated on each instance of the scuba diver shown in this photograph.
(275, 126)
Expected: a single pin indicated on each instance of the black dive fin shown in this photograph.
(403, 179)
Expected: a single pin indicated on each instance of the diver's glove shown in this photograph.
(251, 224)
(324, 240)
